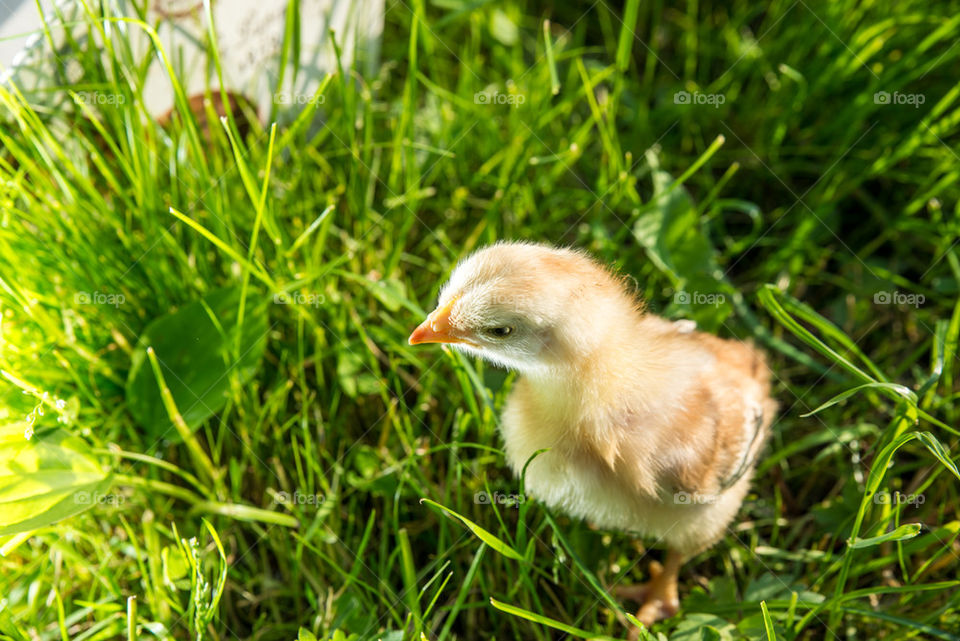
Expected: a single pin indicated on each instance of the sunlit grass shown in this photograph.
(789, 205)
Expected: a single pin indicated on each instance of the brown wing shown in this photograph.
(727, 416)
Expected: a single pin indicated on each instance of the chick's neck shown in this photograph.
(593, 362)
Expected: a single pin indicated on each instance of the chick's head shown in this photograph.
(526, 307)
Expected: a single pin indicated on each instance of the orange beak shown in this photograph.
(436, 329)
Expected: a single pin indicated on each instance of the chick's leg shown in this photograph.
(659, 595)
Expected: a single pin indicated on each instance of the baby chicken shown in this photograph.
(652, 427)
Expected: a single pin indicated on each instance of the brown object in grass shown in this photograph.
(239, 105)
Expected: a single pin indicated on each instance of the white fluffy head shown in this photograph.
(532, 307)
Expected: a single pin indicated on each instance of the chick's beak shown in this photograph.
(436, 329)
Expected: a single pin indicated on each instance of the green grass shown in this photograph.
(295, 505)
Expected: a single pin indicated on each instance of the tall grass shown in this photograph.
(800, 194)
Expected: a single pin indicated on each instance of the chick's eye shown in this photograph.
(500, 332)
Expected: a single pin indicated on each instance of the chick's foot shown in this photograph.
(658, 596)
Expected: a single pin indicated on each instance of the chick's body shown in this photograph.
(649, 426)
(656, 436)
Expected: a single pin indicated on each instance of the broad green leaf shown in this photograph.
(902, 390)
(879, 468)
(174, 564)
(878, 471)
(875, 590)
(627, 36)
(551, 59)
(767, 622)
(939, 451)
(910, 627)
(306, 635)
(409, 573)
(547, 621)
(11, 542)
(45, 479)
(355, 376)
(241, 512)
(829, 331)
(937, 355)
(672, 235)
(698, 626)
(503, 28)
(768, 586)
(198, 352)
(832, 436)
(771, 297)
(905, 531)
(482, 534)
(880, 464)
(391, 292)
(7, 627)
(952, 340)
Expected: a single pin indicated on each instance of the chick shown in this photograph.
(652, 427)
